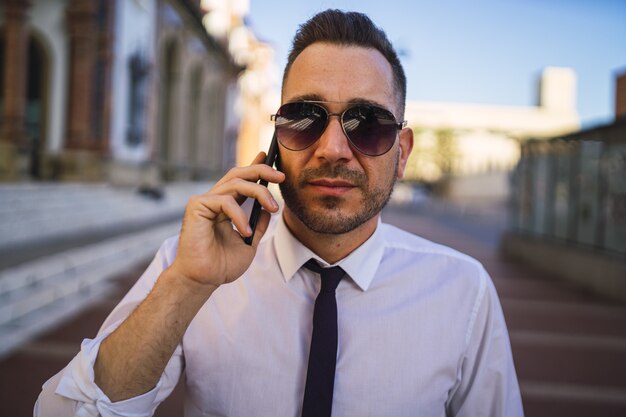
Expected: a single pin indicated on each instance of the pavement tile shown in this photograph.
(568, 318)
(591, 366)
(549, 407)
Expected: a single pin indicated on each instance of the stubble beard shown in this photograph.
(330, 220)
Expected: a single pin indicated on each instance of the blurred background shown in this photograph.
(114, 112)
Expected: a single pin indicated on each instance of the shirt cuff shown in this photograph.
(78, 384)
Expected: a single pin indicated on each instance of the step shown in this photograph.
(592, 361)
(566, 317)
(17, 333)
(64, 279)
(31, 214)
(549, 399)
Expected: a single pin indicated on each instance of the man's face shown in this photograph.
(330, 187)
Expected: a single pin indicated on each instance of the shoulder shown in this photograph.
(427, 264)
(453, 278)
(403, 242)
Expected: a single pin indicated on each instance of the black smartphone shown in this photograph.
(270, 159)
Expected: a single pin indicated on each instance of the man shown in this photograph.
(417, 328)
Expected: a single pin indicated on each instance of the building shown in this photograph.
(129, 91)
(259, 95)
(471, 148)
(569, 205)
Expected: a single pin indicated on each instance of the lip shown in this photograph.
(335, 187)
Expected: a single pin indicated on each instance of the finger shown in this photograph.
(259, 158)
(232, 210)
(233, 172)
(253, 173)
(240, 190)
(218, 208)
(261, 228)
(250, 172)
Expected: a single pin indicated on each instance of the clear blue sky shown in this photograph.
(482, 51)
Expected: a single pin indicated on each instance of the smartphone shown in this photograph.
(270, 159)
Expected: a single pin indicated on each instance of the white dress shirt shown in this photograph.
(421, 333)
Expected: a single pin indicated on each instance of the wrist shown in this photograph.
(186, 284)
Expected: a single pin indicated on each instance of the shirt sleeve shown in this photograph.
(73, 392)
(487, 381)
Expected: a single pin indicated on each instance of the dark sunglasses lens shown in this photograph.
(372, 130)
(299, 125)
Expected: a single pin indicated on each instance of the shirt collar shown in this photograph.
(360, 265)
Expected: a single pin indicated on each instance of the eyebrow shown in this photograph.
(317, 97)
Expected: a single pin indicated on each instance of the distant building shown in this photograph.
(258, 84)
(473, 147)
(569, 205)
(130, 91)
(259, 99)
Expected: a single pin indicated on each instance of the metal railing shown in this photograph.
(573, 188)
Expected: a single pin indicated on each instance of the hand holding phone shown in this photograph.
(272, 154)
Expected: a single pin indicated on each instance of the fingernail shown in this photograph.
(273, 203)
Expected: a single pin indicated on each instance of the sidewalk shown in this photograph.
(569, 347)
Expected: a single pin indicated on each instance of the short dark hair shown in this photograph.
(349, 29)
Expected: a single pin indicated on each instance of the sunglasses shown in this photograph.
(371, 130)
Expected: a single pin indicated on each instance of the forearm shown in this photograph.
(132, 359)
(210, 253)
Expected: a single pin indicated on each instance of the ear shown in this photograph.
(406, 145)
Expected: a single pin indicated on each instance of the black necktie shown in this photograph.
(320, 377)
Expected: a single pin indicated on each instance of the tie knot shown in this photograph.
(330, 276)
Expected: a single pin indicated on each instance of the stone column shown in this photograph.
(105, 51)
(83, 30)
(16, 71)
(13, 136)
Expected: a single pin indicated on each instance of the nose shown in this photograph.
(333, 144)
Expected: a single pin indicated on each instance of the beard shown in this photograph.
(331, 219)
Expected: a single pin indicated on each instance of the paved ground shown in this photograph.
(569, 347)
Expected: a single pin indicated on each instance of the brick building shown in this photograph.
(130, 91)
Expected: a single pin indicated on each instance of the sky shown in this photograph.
(482, 51)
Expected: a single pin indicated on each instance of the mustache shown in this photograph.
(357, 178)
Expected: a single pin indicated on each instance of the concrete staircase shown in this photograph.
(61, 243)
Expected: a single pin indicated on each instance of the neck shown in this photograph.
(330, 247)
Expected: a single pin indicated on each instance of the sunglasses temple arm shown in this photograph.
(256, 208)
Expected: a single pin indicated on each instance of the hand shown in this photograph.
(210, 250)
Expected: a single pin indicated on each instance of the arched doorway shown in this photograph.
(35, 117)
(35, 105)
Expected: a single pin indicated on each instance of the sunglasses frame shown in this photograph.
(399, 125)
